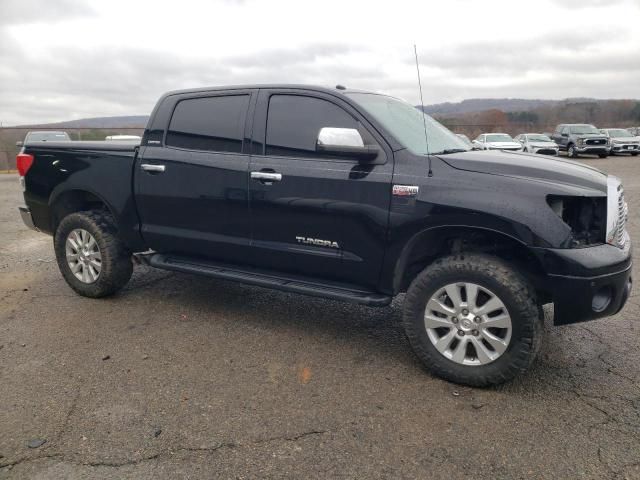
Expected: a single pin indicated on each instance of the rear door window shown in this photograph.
(214, 124)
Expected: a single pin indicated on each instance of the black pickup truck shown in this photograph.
(338, 193)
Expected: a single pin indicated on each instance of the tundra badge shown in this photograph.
(318, 242)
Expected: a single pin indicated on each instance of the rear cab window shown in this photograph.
(213, 124)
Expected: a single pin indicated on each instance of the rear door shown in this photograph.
(191, 181)
(321, 216)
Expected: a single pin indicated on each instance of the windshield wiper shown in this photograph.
(447, 151)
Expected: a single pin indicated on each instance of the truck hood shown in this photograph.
(535, 167)
(625, 139)
(584, 136)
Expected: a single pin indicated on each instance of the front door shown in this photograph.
(191, 191)
(312, 213)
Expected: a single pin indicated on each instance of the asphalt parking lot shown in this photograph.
(182, 376)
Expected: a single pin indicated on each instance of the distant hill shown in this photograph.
(473, 105)
(131, 121)
(514, 116)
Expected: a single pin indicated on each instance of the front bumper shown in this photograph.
(545, 150)
(624, 148)
(595, 149)
(587, 283)
(25, 213)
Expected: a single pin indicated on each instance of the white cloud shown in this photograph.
(67, 59)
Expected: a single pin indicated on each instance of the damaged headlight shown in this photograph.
(585, 216)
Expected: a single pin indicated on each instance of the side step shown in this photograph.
(286, 282)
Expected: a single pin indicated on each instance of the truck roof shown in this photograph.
(337, 89)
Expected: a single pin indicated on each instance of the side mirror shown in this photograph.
(19, 144)
(345, 142)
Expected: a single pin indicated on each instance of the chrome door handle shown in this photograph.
(267, 176)
(147, 167)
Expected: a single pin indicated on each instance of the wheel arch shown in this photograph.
(428, 245)
(66, 202)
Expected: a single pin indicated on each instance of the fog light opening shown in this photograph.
(602, 299)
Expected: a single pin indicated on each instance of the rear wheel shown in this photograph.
(91, 257)
(473, 320)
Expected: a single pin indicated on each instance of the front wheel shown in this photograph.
(473, 320)
(603, 155)
(635, 154)
(571, 152)
(91, 257)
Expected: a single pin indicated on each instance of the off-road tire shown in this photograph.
(117, 266)
(515, 292)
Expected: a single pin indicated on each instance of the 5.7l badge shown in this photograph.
(405, 190)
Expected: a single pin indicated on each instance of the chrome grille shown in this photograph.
(617, 212)
(621, 223)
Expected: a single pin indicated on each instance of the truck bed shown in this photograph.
(103, 169)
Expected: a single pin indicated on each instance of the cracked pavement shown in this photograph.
(206, 378)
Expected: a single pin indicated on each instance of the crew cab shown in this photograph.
(342, 194)
(578, 138)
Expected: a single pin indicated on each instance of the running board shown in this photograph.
(286, 282)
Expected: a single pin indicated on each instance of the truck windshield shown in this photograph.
(405, 123)
(582, 129)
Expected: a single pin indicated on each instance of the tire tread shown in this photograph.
(529, 314)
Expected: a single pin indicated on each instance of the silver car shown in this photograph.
(537, 143)
(497, 141)
(622, 141)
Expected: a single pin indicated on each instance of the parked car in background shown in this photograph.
(123, 138)
(622, 141)
(497, 141)
(45, 136)
(634, 131)
(581, 138)
(537, 143)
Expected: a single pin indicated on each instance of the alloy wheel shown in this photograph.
(83, 255)
(468, 324)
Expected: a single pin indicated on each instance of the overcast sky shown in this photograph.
(67, 59)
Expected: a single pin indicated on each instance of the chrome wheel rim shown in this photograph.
(468, 324)
(83, 255)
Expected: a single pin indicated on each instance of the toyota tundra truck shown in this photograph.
(348, 195)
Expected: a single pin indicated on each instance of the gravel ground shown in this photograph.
(186, 377)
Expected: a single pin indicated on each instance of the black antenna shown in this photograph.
(424, 120)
